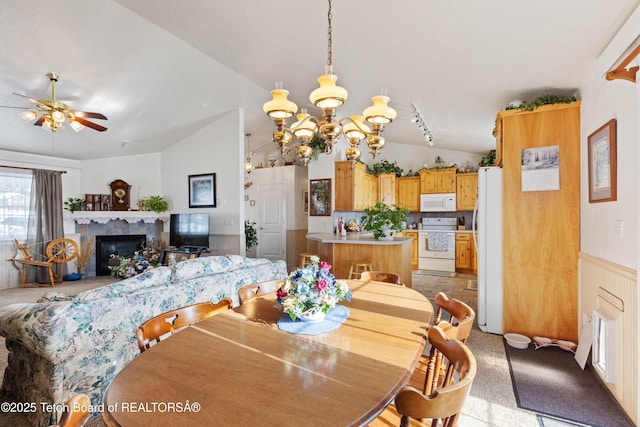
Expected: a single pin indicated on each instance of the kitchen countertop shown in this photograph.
(450, 231)
(356, 238)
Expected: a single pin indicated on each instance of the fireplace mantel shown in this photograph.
(103, 217)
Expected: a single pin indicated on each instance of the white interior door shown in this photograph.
(271, 223)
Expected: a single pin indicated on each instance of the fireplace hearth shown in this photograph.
(122, 245)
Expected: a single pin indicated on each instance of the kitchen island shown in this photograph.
(391, 256)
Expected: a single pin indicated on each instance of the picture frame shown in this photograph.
(603, 172)
(320, 197)
(305, 202)
(202, 190)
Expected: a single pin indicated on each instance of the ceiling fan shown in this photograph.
(54, 113)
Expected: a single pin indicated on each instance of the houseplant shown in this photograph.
(384, 220)
(73, 204)
(310, 292)
(251, 235)
(153, 203)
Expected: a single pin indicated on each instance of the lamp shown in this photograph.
(422, 124)
(328, 97)
(248, 167)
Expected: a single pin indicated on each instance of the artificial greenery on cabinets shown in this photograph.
(543, 100)
(385, 166)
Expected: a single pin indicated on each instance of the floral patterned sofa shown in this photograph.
(66, 345)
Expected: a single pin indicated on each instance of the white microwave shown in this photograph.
(445, 202)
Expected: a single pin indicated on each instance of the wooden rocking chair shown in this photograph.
(59, 251)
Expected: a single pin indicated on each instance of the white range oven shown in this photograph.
(437, 244)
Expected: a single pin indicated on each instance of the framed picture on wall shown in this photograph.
(305, 201)
(602, 164)
(320, 197)
(202, 190)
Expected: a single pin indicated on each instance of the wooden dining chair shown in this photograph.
(77, 411)
(254, 290)
(156, 329)
(445, 403)
(381, 276)
(459, 325)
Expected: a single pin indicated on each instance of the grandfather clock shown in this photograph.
(120, 195)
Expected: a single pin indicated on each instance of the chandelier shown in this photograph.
(328, 97)
(248, 167)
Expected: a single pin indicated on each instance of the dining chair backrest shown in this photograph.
(77, 411)
(461, 316)
(459, 325)
(157, 328)
(445, 403)
(249, 292)
(380, 276)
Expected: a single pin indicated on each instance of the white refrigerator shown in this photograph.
(487, 221)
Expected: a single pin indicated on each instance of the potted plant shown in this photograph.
(251, 234)
(153, 203)
(384, 220)
(73, 204)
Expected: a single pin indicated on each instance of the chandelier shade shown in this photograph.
(328, 97)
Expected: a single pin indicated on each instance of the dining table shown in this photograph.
(239, 368)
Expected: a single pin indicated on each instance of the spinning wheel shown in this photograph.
(62, 250)
(59, 251)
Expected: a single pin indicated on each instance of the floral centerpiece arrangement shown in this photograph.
(140, 261)
(310, 292)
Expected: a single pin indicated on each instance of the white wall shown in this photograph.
(602, 101)
(217, 148)
(142, 172)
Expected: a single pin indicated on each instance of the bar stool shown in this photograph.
(357, 268)
(305, 259)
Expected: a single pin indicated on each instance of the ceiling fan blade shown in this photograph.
(39, 121)
(90, 124)
(35, 101)
(89, 115)
(19, 108)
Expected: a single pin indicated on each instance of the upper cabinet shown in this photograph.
(408, 192)
(387, 188)
(438, 181)
(466, 191)
(355, 188)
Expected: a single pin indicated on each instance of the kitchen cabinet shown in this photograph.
(438, 181)
(387, 188)
(466, 255)
(408, 192)
(466, 191)
(355, 188)
(541, 229)
(414, 248)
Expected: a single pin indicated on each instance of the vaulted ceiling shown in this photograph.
(162, 70)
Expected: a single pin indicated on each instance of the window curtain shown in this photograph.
(45, 219)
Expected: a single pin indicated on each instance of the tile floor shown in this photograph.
(429, 283)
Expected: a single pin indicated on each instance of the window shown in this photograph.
(15, 196)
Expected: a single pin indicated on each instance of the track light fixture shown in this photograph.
(422, 124)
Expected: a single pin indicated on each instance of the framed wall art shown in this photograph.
(602, 164)
(202, 190)
(320, 197)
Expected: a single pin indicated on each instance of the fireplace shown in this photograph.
(122, 245)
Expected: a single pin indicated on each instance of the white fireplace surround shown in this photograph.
(102, 217)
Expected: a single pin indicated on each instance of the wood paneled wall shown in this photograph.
(541, 228)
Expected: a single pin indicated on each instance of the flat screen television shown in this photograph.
(189, 230)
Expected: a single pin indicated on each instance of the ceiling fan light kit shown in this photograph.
(328, 97)
(55, 113)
